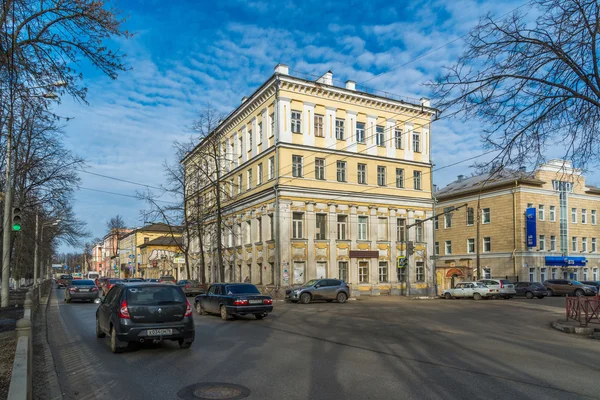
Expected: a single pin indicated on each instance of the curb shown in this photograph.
(578, 330)
(54, 391)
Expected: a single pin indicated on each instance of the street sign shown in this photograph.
(131, 256)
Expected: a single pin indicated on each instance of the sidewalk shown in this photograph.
(45, 379)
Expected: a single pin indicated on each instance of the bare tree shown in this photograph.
(534, 82)
(116, 226)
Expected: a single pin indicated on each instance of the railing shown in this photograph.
(584, 310)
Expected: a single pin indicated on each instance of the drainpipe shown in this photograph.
(277, 277)
(515, 231)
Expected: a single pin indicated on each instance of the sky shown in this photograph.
(185, 54)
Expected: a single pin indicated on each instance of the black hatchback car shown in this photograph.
(140, 312)
(233, 299)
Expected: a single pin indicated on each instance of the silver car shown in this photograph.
(502, 287)
(476, 290)
(319, 289)
(81, 289)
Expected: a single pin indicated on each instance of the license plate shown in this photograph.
(159, 332)
(84, 290)
(255, 302)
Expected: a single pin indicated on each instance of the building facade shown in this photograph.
(160, 256)
(110, 253)
(320, 181)
(565, 216)
(97, 257)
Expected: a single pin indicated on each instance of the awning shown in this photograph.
(558, 261)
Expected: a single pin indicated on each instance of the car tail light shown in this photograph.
(240, 303)
(267, 301)
(72, 289)
(501, 284)
(187, 286)
(94, 289)
(188, 309)
(124, 311)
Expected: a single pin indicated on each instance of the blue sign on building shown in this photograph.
(530, 227)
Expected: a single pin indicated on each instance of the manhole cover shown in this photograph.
(214, 391)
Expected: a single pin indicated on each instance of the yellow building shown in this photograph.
(158, 257)
(320, 180)
(129, 252)
(566, 226)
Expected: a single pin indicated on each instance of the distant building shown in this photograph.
(566, 224)
(110, 252)
(97, 257)
(162, 256)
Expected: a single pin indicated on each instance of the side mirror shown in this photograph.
(571, 283)
(317, 286)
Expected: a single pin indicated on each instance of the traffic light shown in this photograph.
(410, 247)
(16, 219)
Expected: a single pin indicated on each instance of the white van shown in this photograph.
(93, 275)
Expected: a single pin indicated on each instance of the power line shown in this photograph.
(123, 195)
(119, 179)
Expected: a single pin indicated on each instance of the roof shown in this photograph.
(155, 227)
(483, 181)
(163, 241)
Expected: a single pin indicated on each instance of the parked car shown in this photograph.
(559, 287)
(109, 284)
(151, 280)
(133, 280)
(502, 287)
(531, 289)
(167, 279)
(191, 287)
(81, 289)
(100, 282)
(64, 280)
(476, 290)
(319, 289)
(234, 299)
(595, 284)
(141, 311)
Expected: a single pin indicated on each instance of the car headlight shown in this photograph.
(296, 291)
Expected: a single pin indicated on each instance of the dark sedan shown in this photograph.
(595, 284)
(140, 312)
(234, 299)
(191, 287)
(81, 289)
(531, 289)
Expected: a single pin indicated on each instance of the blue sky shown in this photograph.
(187, 53)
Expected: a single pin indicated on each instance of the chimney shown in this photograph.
(425, 102)
(282, 69)
(244, 99)
(350, 85)
(435, 188)
(326, 79)
(461, 178)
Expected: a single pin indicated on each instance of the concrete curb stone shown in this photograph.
(578, 330)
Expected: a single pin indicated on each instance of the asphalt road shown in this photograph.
(381, 348)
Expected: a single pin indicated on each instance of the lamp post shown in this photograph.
(41, 238)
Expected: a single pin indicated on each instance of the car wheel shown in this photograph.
(579, 292)
(477, 296)
(99, 333)
(529, 295)
(199, 309)
(550, 292)
(448, 296)
(224, 313)
(341, 297)
(116, 346)
(305, 298)
(259, 316)
(185, 344)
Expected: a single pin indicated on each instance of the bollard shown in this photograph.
(23, 329)
(28, 309)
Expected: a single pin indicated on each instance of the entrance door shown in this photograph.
(321, 270)
(298, 273)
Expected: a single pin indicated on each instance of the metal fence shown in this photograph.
(585, 310)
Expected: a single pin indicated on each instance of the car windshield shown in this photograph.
(115, 280)
(82, 282)
(135, 280)
(154, 295)
(537, 284)
(241, 289)
(66, 277)
(576, 283)
(167, 278)
(481, 285)
(311, 283)
(506, 281)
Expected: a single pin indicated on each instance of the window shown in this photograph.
(542, 243)
(382, 228)
(487, 244)
(320, 168)
(448, 247)
(401, 229)
(541, 215)
(249, 179)
(553, 213)
(272, 119)
(380, 175)
(321, 226)
(593, 217)
(360, 132)
(529, 205)
(343, 270)
(470, 246)
(383, 271)
(363, 272)
(339, 129)
(248, 232)
(574, 215)
(531, 274)
(417, 180)
(319, 126)
(586, 273)
(241, 140)
(593, 245)
(436, 248)
(341, 171)
(297, 166)
(362, 227)
(259, 174)
(418, 231)
(249, 140)
(362, 174)
(342, 224)
(416, 142)
(436, 223)
(420, 271)
(260, 228)
(398, 138)
(240, 184)
(448, 220)
(296, 122)
(485, 216)
(399, 177)
(584, 247)
(470, 216)
(271, 228)
(379, 135)
(574, 243)
(552, 243)
(584, 216)
(231, 188)
(487, 273)
(271, 168)
(259, 133)
(297, 225)
(553, 272)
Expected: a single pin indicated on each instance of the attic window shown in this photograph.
(146, 240)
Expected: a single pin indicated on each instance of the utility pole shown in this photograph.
(477, 238)
(35, 250)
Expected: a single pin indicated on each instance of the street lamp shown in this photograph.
(35, 252)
